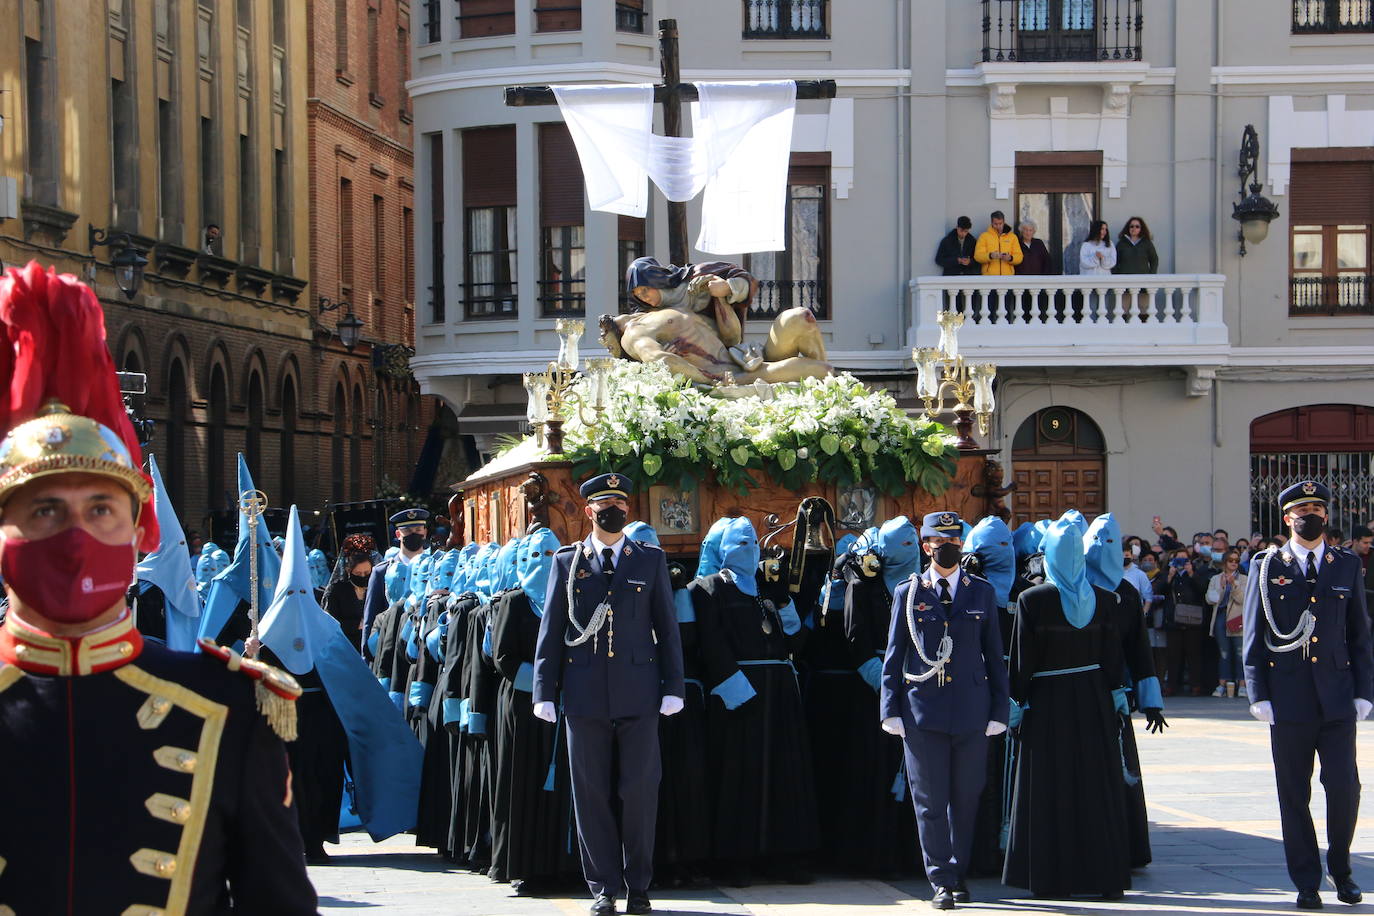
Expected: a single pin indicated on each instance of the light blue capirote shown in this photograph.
(1106, 567)
(169, 568)
(384, 755)
(234, 584)
(538, 549)
(991, 540)
(1066, 570)
(899, 545)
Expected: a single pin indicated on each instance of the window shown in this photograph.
(403, 70)
(345, 239)
(162, 22)
(169, 167)
(209, 176)
(281, 207)
(340, 36)
(557, 15)
(489, 185)
(477, 18)
(1058, 192)
(436, 234)
(178, 406)
(336, 444)
(218, 415)
(378, 242)
(629, 247)
(1326, 16)
(279, 23)
(1331, 218)
(783, 19)
(253, 434)
(800, 274)
(408, 252)
(355, 451)
(41, 183)
(248, 201)
(563, 271)
(629, 16)
(374, 86)
(124, 138)
(433, 29)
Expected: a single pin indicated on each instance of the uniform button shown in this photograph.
(1314, 659)
(1315, 639)
(1271, 664)
(125, 648)
(21, 650)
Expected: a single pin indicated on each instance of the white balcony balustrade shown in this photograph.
(1117, 320)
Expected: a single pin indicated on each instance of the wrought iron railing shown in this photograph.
(1347, 295)
(477, 18)
(489, 300)
(775, 296)
(785, 19)
(1328, 16)
(629, 17)
(1061, 30)
(559, 298)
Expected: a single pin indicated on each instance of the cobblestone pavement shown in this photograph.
(1214, 831)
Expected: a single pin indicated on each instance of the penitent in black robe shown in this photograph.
(683, 830)
(1135, 650)
(449, 691)
(760, 755)
(532, 789)
(436, 788)
(1069, 831)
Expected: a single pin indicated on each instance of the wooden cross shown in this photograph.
(670, 95)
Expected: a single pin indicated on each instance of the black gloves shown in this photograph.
(1154, 720)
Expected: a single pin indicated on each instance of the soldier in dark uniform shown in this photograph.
(609, 649)
(146, 781)
(1310, 675)
(412, 533)
(945, 691)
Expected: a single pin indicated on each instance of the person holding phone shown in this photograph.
(1185, 618)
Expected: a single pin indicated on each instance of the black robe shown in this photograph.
(683, 830)
(532, 789)
(1135, 650)
(476, 693)
(449, 693)
(764, 795)
(1069, 831)
(436, 788)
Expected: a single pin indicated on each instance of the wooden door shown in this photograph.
(1049, 488)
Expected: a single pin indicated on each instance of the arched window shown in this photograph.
(379, 437)
(178, 403)
(218, 416)
(337, 464)
(355, 469)
(253, 437)
(1059, 463)
(288, 441)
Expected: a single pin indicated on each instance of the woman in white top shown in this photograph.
(1097, 257)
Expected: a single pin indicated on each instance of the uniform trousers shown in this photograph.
(616, 853)
(946, 774)
(1293, 745)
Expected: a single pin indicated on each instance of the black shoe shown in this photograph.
(603, 905)
(943, 899)
(317, 856)
(1309, 900)
(961, 894)
(638, 903)
(1347, 891)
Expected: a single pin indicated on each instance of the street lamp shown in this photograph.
(1255, 212)
(350, 326)
(941, 368)
(551, 391)
(128, 262)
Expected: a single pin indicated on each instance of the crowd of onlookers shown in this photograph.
(998, 251)
(1193, 594)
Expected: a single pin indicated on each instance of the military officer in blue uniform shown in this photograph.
(609, 649)
(412, 531)
(945, 691)
(1310, 674)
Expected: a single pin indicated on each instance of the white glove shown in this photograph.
(1363, 708)
(670, 706)
(995, 728)
(1263, 710)
(545, 711)
(894, 726)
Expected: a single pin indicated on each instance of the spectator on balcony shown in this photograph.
(1035, 257)
(1135, 251)
(1096, 257)
(998, 249)
(955, 254)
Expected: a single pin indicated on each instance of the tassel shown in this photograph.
(280, 712)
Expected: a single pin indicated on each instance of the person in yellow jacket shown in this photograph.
(998, 250)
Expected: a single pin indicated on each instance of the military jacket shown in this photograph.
(974, 689)
(1322, 681)
(144, 781)
(635, 659)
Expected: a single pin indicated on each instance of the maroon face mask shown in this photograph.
(69, 577)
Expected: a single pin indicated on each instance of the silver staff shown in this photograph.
(251, 504)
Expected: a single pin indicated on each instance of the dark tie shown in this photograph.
(945, 597)
(608, 564)
(1311, 568)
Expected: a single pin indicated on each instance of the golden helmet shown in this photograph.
(58, 441)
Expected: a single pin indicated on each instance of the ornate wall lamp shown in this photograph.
(128, 261)
(1255, 212)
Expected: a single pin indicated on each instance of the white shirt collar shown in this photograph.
(934, 579)
(1300, 552)
(601, 548)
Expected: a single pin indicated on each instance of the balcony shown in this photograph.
(1058, 31)
(790, 19)
(1328, 17)
(1347, 294)
(1137, 320)
(629, 16)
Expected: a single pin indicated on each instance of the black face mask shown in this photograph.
(360, 581)
(1309, 527)
(946, 556)
(611, 519)
(413, 542)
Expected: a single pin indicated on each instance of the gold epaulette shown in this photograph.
(275, 690)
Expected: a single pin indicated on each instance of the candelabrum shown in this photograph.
(551, 393)
(940, 371)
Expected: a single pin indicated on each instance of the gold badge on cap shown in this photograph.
(1309, 488)
(947, 520)
(613, 481)
(56, 436)
(411, 514)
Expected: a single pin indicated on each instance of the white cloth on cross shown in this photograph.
(739, 156)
